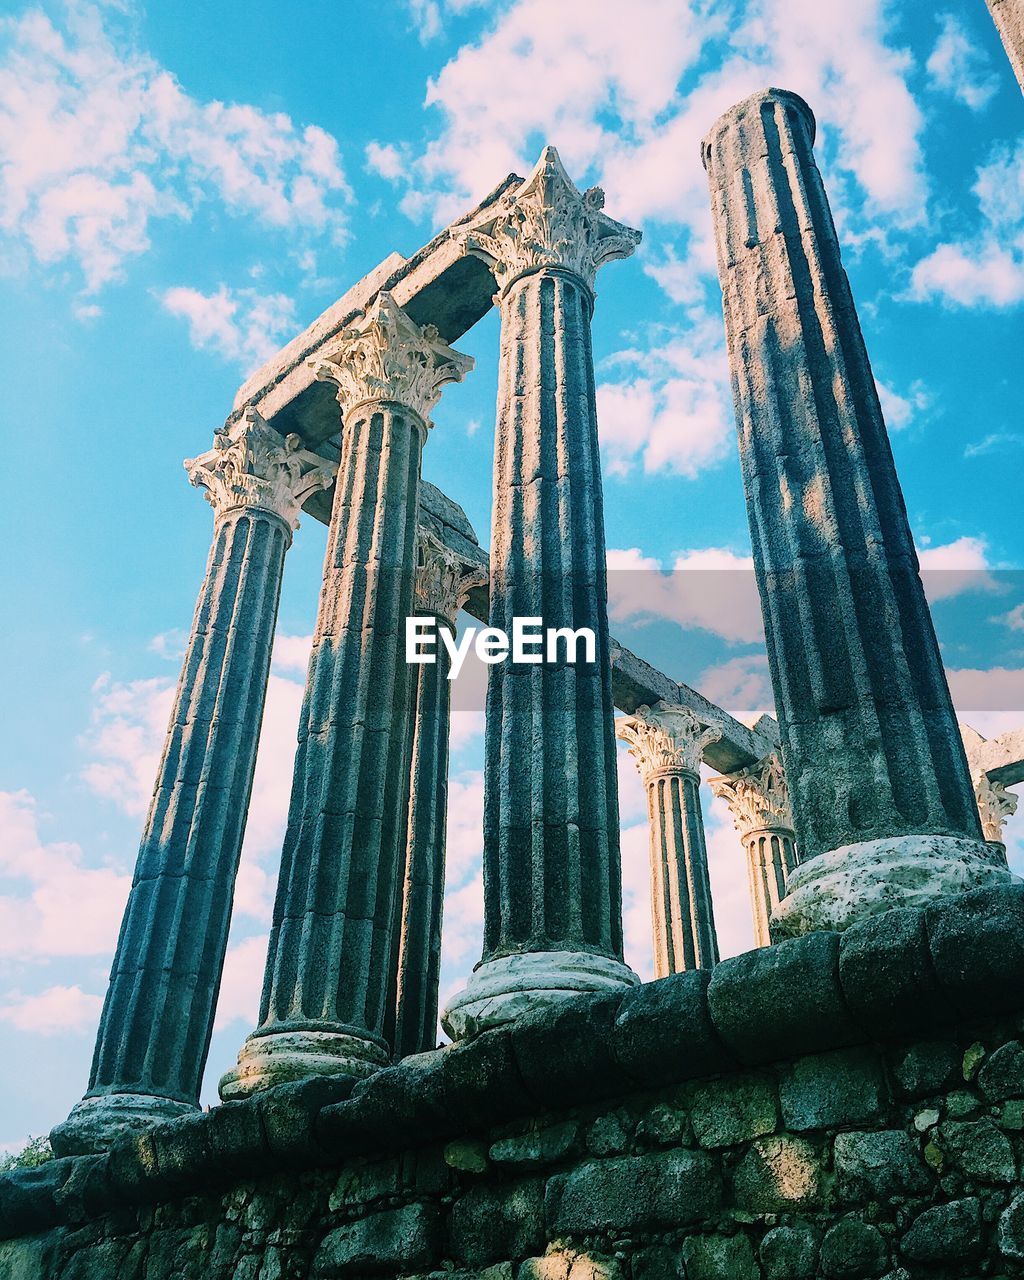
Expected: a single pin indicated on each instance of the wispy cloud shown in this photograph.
(995, 442)
(958, 67)
(98, 141)
(241, 325)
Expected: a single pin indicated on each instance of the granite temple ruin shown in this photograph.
(846, 1100)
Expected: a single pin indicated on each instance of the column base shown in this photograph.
(836, 889)
(280, 1057)
(95, 1123)
(499, 991)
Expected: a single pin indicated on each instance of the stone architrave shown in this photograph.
(328, 967)
(666, 741)
(758, 800)
(882, 800)
(155, 1027)
(552, 879)
(443, 583)
(1008, 15)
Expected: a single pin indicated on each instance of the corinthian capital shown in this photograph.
(665, 738)
(390, 357)
(252, 465)
(443, 583)
(995, 805)
(547, 222)
(758, 797)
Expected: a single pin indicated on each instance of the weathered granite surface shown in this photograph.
(838, 1105)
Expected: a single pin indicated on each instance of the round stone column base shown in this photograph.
(836, 889)
(499, 991)
(95, 1123)
(280, 1057)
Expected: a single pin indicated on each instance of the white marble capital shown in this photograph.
(995, 805)
(758, 797)
(388, 357)
(665, 738)
(251, 465)
(443, 582)
(547, 222)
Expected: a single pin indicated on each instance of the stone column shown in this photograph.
(328, 965)
(995, 805)
(158, 1014)
(758, 800)
(882, 800)
(1008, 15)
(442, 587)
(667, 742)
(552, 880)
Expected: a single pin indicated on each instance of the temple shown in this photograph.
(868, 824)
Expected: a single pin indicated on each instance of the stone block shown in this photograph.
(564, 1051)
(720, 1258)
(979, 1150)
(878, 1164)
(733, 1109)
(853, 1250)
(539, 1147)
(611, 1134)
(290, 1113)
(394, 1240)
(468, 1156)
(183, 1152)
(977, 946)
(659, 1262)
(945, 1233)
(386, 1107)
(777, 1002)
(1011, 1229)
(481, 1080)
(660, 1191)
(779, 1175)
(885, 970)
(133, 1171)
(791, 1252)
(663, 1031)
(492, 1223)
(86, 1191)
(1002, 1075)
(29, 1259)
(832, 1089)
(235, 1137)
(924, 1069)
(28, 1196)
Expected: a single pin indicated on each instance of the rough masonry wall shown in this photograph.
(655, 1135)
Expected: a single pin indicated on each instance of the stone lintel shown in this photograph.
(438, 285)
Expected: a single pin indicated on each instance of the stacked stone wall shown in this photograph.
(836, 1106)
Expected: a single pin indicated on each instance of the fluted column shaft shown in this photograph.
(758, 799)
(552, 878)
(329, 961)
(869, 738)
(551, 860)
(442, 586)
(681, 907)
(157, 1017)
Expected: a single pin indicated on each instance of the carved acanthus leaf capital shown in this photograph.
(443, 582)
(995, 805)
(252, 465)
(547, 222)
(758, 797)
(666, 738)
(390, 357)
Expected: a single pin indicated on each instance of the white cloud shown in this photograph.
(741, 685)
(674, 413)
(958, 67)
(955, 567)
(97, 141)
(385, 160)
(52, 1011)
(291, 653)
(710, 589)
(989, 700)
(240, 324)
(52, 903)
(125, 738)
(900, 411)
(988, 268)
(1014, 619)
(995, 442)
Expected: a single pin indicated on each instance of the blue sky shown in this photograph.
(177, 199)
